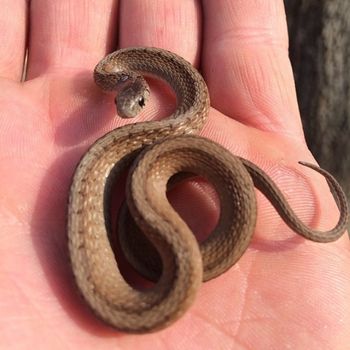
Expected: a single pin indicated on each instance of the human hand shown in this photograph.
(285, 291)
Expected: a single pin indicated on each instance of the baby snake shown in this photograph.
(171, 149)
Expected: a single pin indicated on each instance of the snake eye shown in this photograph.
(123, 77)
(141, 101)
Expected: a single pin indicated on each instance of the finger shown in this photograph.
(69, 33)
(162, 23)
(246, 64)
(12, 41)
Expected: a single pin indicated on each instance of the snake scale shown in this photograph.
(157, 150)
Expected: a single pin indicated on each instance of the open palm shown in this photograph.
(284, 292)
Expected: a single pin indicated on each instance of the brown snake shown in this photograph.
(185, 263)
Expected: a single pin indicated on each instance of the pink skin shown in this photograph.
(285, 291)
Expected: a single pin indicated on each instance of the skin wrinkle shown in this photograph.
(260, 101)
(28, 299)
(241, 321)
(284, 179)
(207, 320)
(42, 112)
(257, 75)
(253, 36)
(321, 217)
(12, 213)
(243, 310)
(311, 183)
(231, 323)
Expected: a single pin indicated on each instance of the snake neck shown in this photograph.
(126, 67)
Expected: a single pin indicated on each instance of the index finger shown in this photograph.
(246, 64)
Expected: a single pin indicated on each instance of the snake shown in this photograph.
(153, 153)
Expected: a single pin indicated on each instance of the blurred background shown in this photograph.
(319, 32)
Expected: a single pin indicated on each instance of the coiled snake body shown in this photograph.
(170, 150)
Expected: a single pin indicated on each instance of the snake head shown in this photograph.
(132, 98)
